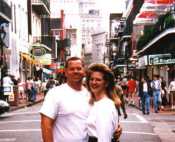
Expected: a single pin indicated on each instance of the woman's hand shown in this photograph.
(117, 134)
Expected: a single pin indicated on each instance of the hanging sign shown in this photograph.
(161, 59)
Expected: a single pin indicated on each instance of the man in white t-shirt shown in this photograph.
(156, 87)
(66, 107)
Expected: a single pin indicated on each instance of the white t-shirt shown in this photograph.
(155, 84)
(145, 87)
(172, 86)
(70, 109)
(7, 81)
(102, 120)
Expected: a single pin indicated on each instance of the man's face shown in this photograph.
(75, 71)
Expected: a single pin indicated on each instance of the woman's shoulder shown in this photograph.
(105, 103)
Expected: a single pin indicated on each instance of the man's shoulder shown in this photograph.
(60, 87)
(56, 92)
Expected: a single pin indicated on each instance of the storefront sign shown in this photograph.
(142, 62)
(160, 59)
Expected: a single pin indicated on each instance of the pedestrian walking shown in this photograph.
(50, 84)
(21, 88)
(156, 87)
(172, 93)
(119, 91)
(131, 90)
(29, 84)
(124, 86)
(145, 89)
(164, 92)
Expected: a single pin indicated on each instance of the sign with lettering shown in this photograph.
(142, 62)
(161, 59)
(38, 51)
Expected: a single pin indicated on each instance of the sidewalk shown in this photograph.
(166, 109)
(163, 122)
(22, 102)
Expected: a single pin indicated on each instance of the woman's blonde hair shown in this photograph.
(108, 76)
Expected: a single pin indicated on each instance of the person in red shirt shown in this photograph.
(131, 89)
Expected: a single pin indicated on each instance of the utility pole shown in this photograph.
(62, 50)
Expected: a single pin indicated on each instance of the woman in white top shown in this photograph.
(103, 116)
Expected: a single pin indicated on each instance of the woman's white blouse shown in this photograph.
(102, 120)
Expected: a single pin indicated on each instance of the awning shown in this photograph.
(159, 1)
(47, 71)
(40, 46)
(28, 58)
(157, 6)
(146, 17)
(42, 53)
(147, 14)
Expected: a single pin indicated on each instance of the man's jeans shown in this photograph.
(147, 101)
(156, 94)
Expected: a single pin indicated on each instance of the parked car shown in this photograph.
(4, 106)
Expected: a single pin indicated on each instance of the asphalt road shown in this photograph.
(23, 125)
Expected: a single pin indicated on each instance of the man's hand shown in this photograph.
(117, 134)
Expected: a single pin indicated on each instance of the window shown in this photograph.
(15, 18)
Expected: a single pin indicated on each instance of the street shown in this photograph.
(24, 125)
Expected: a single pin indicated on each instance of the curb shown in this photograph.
(25, 105)
(169, 110)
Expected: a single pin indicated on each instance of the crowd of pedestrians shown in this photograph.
(156, 93)
(157, 90)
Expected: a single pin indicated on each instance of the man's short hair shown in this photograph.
(73, 59)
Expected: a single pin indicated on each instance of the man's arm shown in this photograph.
(47, 128)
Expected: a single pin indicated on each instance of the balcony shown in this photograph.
(41, 7)
(46, 40)
(5, 12)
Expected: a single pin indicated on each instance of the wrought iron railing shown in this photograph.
(46, 2)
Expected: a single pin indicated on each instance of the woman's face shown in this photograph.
(96, 83)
